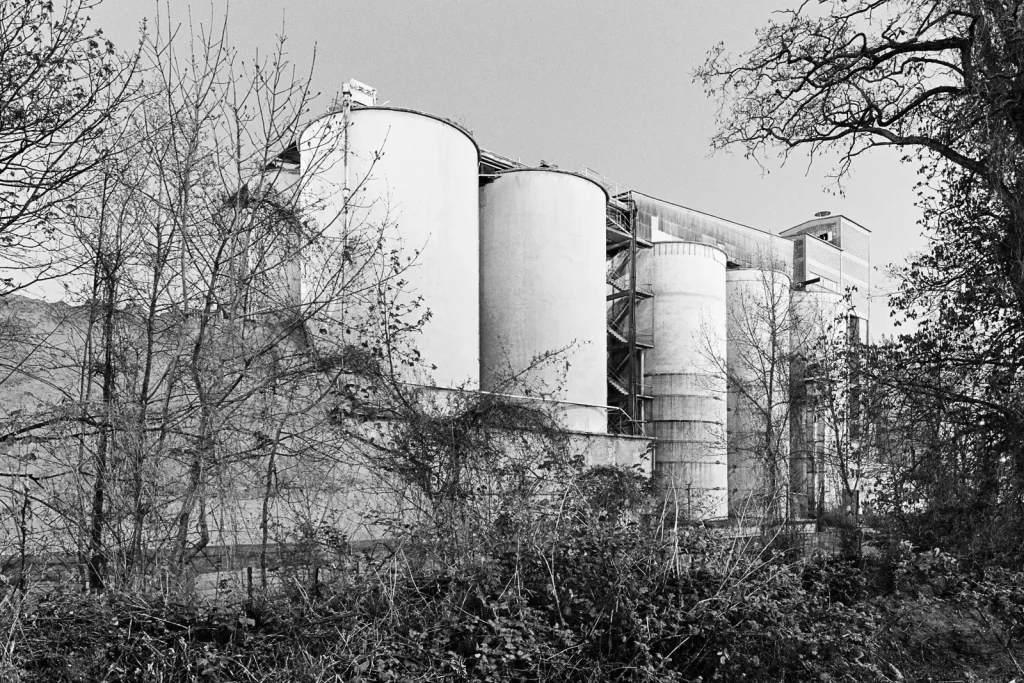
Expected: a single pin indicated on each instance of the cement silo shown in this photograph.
(686, 374)
(760, 322)
(542, 268)
(412, 179)
(274, 253)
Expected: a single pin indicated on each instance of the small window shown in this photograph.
(825, 236)
(858, 329)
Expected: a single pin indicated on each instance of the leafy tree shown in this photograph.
(932, 76)
(938, 79)
(958, 376)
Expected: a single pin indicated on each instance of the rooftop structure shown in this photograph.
(833, 253)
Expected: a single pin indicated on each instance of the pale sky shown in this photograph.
(604, 83)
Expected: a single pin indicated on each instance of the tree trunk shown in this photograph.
(97, 552)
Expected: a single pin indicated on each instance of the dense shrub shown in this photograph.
(601, 591)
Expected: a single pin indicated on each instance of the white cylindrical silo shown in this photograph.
(277, 255)
(814, 312)
(413, 181)
(760, 322)
(686, 373)
(542, 270)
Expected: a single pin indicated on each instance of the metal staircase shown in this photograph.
(627, 394)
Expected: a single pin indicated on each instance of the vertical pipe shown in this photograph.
(346, 195)
(635, 428)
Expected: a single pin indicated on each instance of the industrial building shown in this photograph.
(647, 327)
(640, 296)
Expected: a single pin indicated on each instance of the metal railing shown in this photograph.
(621, 283)
(614, 189)
(641, 388)
(619, 422)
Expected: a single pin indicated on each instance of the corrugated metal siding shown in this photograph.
(742, 243)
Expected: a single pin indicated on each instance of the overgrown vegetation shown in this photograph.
(593, 588)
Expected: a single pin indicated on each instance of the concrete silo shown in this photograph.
(686, 374)
(276, 255)
(760, 322)
(542, 289)
(412, 179)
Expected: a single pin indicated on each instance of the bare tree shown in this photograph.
(841, 417)
(459, 465)
(62, 88)
(926, 76)
(238, 372)
(761, 327)
(202, 369)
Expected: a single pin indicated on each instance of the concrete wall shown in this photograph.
(323, 472)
